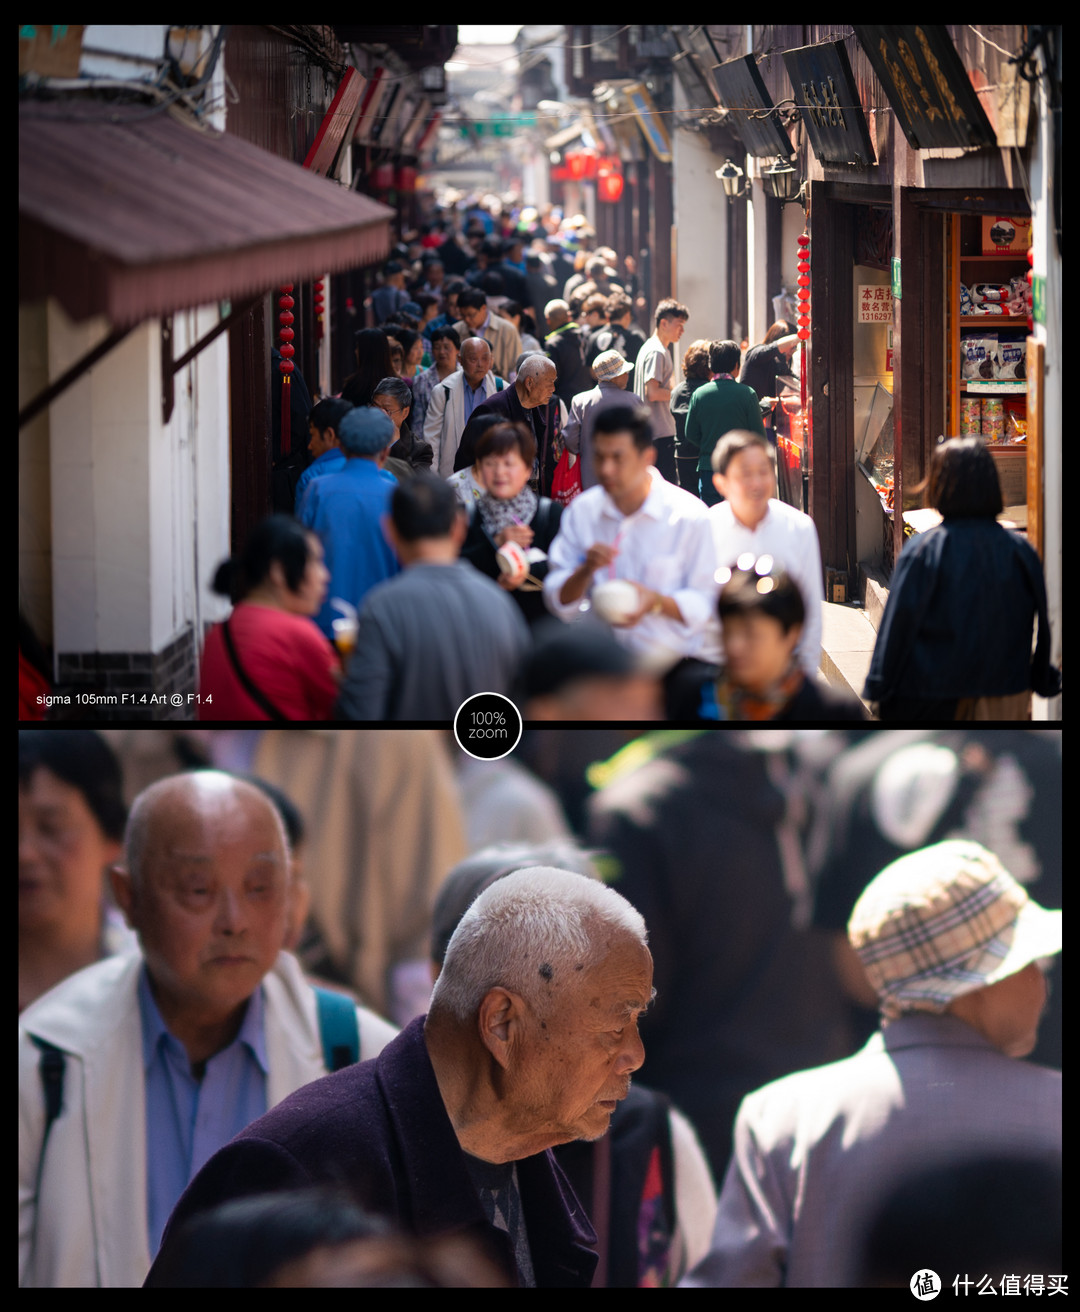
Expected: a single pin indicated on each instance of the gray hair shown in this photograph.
(533, 928)
(397, 388)
(534, 365)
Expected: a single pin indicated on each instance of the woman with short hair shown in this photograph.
(393, 396)
(509, 511)
(696, 371)
(269, 660)
(955, 639)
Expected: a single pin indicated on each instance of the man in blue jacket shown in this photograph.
(530, 1041)
(346, 511)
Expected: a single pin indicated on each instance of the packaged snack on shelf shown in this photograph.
(970, 416)
(1015, 419)
(965, 300)
(977, 355)
(986, 294)
(993, 419)
(1010, 362)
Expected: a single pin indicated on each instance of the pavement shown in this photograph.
(847, 643)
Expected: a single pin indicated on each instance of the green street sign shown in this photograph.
(896, 276)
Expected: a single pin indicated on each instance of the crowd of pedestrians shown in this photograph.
(346, 1007)
(674, 538)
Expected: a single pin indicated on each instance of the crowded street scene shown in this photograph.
(351, 1007)
(618, 373)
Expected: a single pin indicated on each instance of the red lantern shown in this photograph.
(575, 163)
(609, 187)
(286, 367)
(383, 177)
(406, 179)
(590, 164)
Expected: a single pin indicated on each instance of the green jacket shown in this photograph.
(715, 409)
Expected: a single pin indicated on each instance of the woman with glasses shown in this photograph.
(762, 615)
(393, 396)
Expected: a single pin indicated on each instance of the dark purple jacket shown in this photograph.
(380, 1130)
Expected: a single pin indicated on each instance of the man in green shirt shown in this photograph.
(717, 408)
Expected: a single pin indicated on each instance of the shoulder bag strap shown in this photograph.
(338, 1029)
(256, 694)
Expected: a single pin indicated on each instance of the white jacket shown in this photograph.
(445, 419)
(91, 1214)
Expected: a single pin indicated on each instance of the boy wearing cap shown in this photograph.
(613, 373)
(952, 944)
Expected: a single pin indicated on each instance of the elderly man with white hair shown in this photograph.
(530, 1041)
(135, 1070)
(955, 949)
(530, 401)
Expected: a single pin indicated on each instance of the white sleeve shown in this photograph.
(565, 554)
(433, 422)
(809, 578)
(750, 1238)
(695, 1195)
(697, 598)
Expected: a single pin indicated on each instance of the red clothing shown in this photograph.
(284, 655)
(32, 685)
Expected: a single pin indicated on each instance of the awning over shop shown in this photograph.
(129, 212)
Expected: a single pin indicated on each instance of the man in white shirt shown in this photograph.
(635, 525)
(452, 402)
(654, 378)
(753, 522)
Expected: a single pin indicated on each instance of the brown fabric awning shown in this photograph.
(130, 213)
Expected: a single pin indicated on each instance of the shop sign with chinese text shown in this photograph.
(875, 303)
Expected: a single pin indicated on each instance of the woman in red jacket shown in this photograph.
(269, 660)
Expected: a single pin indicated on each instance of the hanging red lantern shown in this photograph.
(609, 187)
(575, 163)
(318, 304)
(383, 177)
(285, 318)
(590, 163)
(406, 178)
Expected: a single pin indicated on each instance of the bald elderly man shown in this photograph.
(166, 1053)
(530, 1041)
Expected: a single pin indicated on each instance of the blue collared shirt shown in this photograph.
(474, 396)
(187, 1119)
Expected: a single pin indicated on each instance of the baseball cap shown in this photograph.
(609, 365)
(944, 921)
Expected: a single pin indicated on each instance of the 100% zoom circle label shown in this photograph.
(487, 726)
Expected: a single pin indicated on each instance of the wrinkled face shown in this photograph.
(504, 475)
(475, 363)
(211, 907)
(63, 853)
(577, 1056)
(445, 354)
(474, 316)
(748, 483)
(757, 650)
(621, 469)
(397, 413)
(539, 389)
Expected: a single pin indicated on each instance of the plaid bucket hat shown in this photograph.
(944, 921)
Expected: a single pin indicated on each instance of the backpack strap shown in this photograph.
(338, 1029)
(499, 384)
(51, 1068)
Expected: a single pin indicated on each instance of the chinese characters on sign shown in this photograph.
(875, 304)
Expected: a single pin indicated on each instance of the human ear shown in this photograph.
(123, 892)
(499, 1021)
